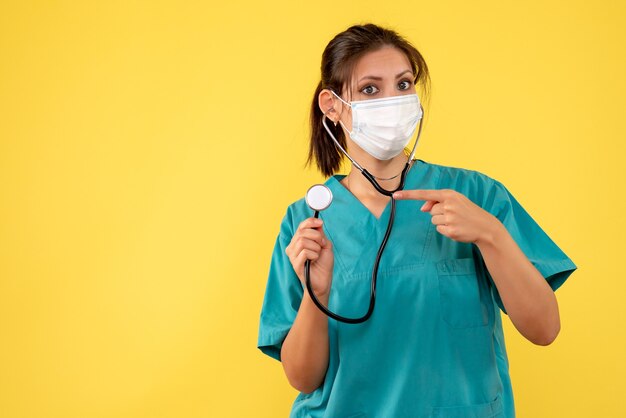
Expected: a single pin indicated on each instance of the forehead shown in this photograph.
(385, 62)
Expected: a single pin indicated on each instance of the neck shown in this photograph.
(359, 185)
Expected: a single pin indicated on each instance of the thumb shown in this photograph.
(427, 207)
(325, 241)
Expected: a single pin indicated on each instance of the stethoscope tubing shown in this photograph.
(370, 309)
(383, 244)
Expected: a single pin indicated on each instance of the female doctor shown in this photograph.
(461, 250)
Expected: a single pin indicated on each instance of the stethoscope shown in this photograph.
(319, 197)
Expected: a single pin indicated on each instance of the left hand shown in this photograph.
(455, 216)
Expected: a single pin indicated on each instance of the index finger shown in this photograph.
(310, 223)
(419, 194)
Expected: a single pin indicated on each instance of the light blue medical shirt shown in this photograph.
(434, 346)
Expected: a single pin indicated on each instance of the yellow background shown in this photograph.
(149, 149)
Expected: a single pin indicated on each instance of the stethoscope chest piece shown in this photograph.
(318, 197)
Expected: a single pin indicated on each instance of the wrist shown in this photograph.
(491, 233)
(322, 297)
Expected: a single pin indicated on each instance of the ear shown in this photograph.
(329, 105)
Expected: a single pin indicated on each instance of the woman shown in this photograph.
(462, 248)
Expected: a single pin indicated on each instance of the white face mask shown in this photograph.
(383, 127)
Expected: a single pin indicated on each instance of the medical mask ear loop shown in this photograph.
(383, 244)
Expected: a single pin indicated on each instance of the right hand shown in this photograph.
(310, 243)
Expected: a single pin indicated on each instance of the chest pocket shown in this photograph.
(460, 294)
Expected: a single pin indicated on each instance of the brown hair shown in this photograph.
(338, 62)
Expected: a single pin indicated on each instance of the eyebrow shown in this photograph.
(371, 77)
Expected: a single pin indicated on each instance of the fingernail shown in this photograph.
(397, 195)
(422, 208)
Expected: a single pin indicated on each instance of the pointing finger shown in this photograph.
(420, 194)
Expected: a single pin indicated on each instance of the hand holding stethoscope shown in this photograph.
(455, 216)
(310, 243)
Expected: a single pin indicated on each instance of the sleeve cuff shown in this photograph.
(555, 272)
(270, 343)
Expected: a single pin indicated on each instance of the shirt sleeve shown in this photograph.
(283, 295)
(553, 264)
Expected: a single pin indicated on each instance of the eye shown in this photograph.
(369, 90)
(404, 85)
